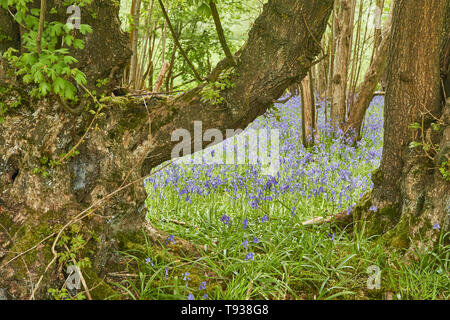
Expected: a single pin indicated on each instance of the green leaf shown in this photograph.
(204, 10)
(68, 40)
(69, 60)
(85, 28)
(44, 88)
(78, 44)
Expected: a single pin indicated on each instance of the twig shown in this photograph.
(81, 276)
(175, 38)
(41, 26)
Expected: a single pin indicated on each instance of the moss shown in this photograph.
(131, 119)
(377, 176)
(36, 259)
(398, 237)
(98, 288)
(130, 240)
(374, 223)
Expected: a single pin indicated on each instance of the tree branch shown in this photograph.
(220, 33)
(41, 26)
(175, 38)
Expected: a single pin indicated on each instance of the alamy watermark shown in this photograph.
(240, 147)
(74, 279)
(374, 280)
(74, 21)
(377, 15)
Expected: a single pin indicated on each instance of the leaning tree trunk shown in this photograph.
(412, 199)
(366, 89)
(38, 201)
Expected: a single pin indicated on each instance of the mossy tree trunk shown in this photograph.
(411, 197)
(132, 137)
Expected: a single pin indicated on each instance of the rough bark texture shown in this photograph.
(410, 193)
(343, 29)
(279, 52)
(368, 86)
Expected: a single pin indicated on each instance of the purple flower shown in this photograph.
(255, 240)
(436, 226)
(245, 244)
(250, 256)
(293, 211)
(225, 219)
(202, 286)
(254, 204)
(171, 239)
(190, 296)
(264, 219)
(148, 260)
(245, 223)
(332, 236)
(373, 208)
(205, 296)
(349, 211)
(185, 276)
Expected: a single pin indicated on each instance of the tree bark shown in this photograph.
(308, 110)
(132, 137)
(343, 29)
(366, 89)
(134, 44)
(410, 195)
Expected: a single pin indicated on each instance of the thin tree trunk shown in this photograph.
(164, 36)
(308, 110)
(220, 33)
(175, 38)
(134, 47)
(369, 84)
(41, 26)
(343, 30)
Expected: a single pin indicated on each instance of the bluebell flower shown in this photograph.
(148, 260)
(373, 208)
(171, 238)
(205, 296)
(202, 286)
(264, 219)
(254, 204)
(245, 223)
(250, 256)
(190, 296)
(225, 219)
(349, 210)
(255, 240)
(185, 276)
(245, 244)
(436, 226)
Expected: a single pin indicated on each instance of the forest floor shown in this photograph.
(249, 226)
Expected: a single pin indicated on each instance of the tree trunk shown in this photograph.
(366, 89)
(343, 29)
(321, 78)
(308, 110)
(410, 194)
(132, 137)
(134, 44)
